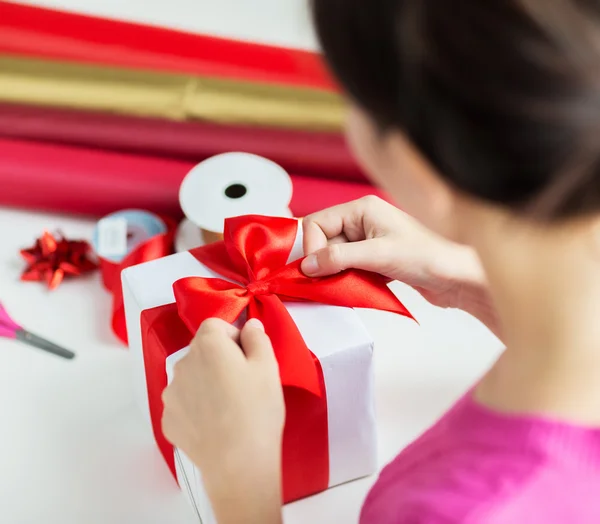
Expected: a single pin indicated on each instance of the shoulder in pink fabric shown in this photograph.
(476, 466)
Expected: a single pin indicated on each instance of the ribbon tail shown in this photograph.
(118, 322)
(352, 288)
(297, 366)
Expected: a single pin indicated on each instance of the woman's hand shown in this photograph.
(373, 235)
(225, 410)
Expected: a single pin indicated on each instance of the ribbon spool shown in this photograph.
(225, 186)
(127, 238)
(118, 234)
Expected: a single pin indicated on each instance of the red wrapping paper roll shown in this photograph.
(314, 154)
(94, 182)
(51, 34)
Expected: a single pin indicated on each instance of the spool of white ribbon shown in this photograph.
(230, 185)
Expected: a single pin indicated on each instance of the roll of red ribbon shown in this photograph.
(137, 248)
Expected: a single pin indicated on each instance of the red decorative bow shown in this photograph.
(53, 257)
(255, 252)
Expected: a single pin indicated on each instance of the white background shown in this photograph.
(74, 448)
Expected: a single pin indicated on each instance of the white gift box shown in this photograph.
(335, 335)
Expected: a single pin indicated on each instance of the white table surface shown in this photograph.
(73, 447)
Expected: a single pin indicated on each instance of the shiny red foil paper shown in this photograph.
(53, 258)
(57, 35)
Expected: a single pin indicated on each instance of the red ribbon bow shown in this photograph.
(255, 253)
(53, 257)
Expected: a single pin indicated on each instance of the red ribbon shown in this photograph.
(254, 253)
(154, 248)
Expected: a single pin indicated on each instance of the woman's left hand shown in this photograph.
(224, 409)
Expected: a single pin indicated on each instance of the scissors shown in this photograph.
(10, 329)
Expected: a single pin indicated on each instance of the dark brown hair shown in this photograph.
(502, 96)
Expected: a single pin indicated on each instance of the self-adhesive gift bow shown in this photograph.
(53, 257)
(254, 258)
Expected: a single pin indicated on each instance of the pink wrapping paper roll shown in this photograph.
(323, 155)
(60, 178)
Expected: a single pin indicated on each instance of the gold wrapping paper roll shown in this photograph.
(176, 97)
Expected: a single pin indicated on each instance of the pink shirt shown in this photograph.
(476, 466)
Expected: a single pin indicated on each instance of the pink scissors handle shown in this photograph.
(8, 327)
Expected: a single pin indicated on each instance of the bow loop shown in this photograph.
(258, 246)
(254, 252)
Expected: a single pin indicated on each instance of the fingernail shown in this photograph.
(310, 265)
(255, 323)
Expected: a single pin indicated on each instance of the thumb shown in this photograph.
(370, 255)
(255, 342)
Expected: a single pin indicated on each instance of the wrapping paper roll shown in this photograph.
(323, 155)
(94, 182)
(177, 97)
(39, 32)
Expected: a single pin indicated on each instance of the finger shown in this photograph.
(370, 255)
(340, 239)
(213, 337)
(167, 417)
(166, 425)
(219, 326)
(255, 342)
(171, 424)
(324, 225)
(314, 237)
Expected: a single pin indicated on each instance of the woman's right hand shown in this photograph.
(373, 235)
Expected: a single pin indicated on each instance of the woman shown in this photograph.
(482, 119)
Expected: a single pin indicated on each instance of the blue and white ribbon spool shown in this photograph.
(118, 234)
